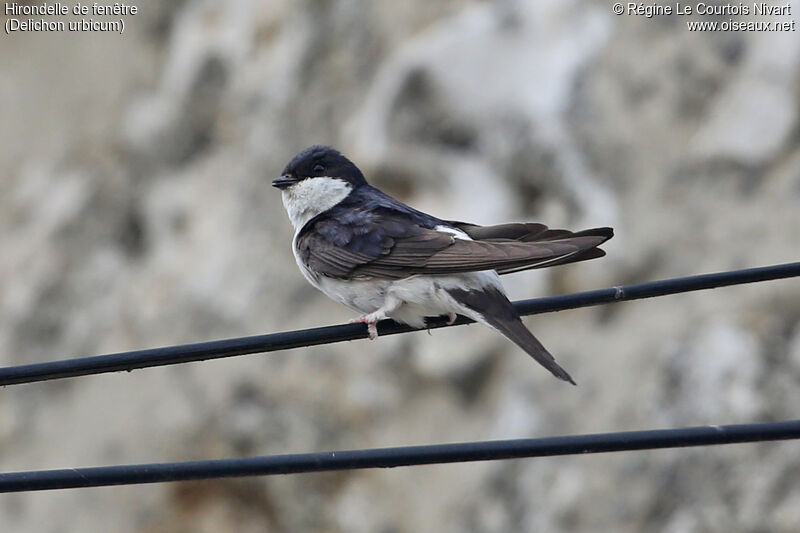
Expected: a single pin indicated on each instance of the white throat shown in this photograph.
(308, 198)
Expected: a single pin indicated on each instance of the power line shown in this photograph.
(387, 457)
(398, 456)
(171, 355)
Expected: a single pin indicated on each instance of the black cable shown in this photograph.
(400, 456)
(309, 337)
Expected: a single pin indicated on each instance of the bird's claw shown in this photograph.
(371, 322)
(451, 317)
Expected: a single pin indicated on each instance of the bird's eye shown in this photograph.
(319, 167)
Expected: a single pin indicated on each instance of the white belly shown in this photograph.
(421, 296)
(365, 296)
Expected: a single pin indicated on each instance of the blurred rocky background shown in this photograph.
(136, 211)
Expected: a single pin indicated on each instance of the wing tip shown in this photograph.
(605, 232)
(565, 377)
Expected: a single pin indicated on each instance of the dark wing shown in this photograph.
(526, 232)
(535, 232)
(515, 231)
(350, 242)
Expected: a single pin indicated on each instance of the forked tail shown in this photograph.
(496, 311)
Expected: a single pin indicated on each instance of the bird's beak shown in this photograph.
(284, 181)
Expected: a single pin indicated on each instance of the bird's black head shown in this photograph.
(317, 162)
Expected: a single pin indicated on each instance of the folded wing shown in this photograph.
(384, 244)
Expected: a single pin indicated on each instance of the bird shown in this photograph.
(385, 259)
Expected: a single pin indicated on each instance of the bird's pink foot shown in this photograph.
(451, 317)
(372, 324)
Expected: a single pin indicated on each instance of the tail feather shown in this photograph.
(495, 310)
(516, 331)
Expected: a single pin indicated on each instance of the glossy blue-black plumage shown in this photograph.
(368, 221)
(318, 161)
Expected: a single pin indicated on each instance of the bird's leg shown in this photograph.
(451, 317)
(371, 319)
